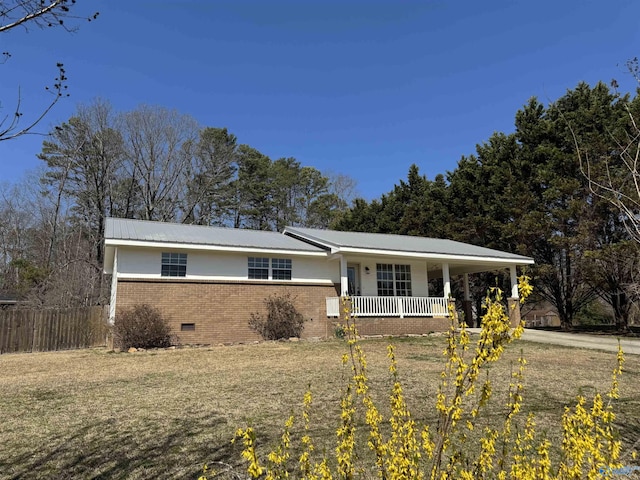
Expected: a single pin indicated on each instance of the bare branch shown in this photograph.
(620, 187)
(58, 90)
(41, 13)
(32, 15)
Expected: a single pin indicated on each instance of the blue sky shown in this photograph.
(363, 88)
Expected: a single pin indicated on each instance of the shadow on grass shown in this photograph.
(177, 448)
(630, 435)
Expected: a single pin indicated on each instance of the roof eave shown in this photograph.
(437, 256)
(312, 239)
(215, 248)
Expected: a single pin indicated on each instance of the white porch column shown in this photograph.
(114, 288)
(426, 266)
(514, 282)
(466, 286)
(446, 280)
(344, 279)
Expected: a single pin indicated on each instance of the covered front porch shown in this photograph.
(388, 277)
(397, 284)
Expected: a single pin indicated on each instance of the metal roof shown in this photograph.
(163, 232)
(397, 243)
(294, 239)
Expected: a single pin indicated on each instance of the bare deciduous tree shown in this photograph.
(40, 14)
(615, 175)
(159, 145)
(343, 186)
(15, 223)
(47, 257)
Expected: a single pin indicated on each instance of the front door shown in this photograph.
(353, 276)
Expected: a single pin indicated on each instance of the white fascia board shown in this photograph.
(216, 248)
(437, 256)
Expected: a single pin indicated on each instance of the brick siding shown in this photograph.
(221, 310)
(514, 311)
(402, 326)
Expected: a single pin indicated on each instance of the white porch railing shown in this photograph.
(369, 306)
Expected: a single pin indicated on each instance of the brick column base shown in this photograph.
(514, 311)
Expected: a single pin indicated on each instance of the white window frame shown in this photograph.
(255, 265)
(400, 274)
(176, 263)
(282, 268)
(276, 269)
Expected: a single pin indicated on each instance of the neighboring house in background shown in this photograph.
(541, 314)
(208, 280)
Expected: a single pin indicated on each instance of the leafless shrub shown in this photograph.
(141, 326)
(282, 320)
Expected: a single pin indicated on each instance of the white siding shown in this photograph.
(138, 262)
(314, 270)
(369, 283)
(146, 263)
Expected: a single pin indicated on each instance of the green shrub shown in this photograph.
(141, 326)
(282, 319)
(594, 313)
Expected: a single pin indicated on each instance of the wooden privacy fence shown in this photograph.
(46, 330)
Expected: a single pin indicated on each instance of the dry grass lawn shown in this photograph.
(162, 414)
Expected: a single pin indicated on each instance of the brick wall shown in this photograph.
(514, 311)
(402, 326)
(221, 310)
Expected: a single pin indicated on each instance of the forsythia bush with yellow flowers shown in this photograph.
(404, 450)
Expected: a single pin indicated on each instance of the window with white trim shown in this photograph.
(384, 273)
(258, 268)
(263, 268)
(393, 280)
(403, 280)
(281, 268)
(173, 264)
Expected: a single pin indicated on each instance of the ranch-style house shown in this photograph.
(208, 280)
